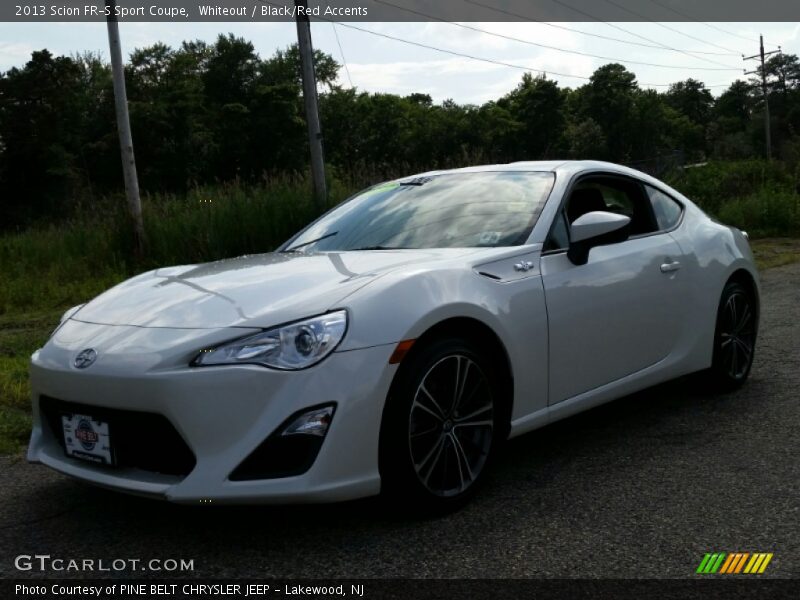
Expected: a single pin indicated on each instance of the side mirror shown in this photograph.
(597, 228)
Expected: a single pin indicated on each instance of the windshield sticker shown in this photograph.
(383, 187)
(489, 237)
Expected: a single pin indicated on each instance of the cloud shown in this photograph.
(14, 54)
(462, 78)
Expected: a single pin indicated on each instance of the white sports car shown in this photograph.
(393, 344)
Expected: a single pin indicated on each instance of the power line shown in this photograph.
(344, 60)
(685, 16)
(668, 28)
(594, 35)
(490, 60)
(473, 57)
(538, 45)
(599, 20)
(459, 54)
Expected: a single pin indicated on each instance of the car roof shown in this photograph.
(560, 167)
(540, 165)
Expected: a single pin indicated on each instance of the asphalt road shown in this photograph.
(641, 487)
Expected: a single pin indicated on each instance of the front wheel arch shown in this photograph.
(481, 334)
(472, 341)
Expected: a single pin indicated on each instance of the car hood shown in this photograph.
(250, 291)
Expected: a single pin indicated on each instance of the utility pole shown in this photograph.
(763, 71)
(124, 129)
(310, 101)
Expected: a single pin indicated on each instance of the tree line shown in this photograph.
(213, 113)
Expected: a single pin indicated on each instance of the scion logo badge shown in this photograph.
(734, 563)
(85, 359)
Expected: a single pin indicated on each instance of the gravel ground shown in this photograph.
(641, 487)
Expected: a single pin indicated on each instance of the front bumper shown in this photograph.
(224, 413)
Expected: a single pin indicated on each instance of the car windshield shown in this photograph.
(496, 208)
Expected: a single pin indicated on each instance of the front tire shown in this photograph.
(441, 426)
(734, 338)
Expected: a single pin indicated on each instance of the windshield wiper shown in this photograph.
(417, 181)
(319, 239)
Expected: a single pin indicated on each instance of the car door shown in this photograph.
(623, 310)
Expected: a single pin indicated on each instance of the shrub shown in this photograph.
(717, 183)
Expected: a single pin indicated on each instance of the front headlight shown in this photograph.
(294, 346)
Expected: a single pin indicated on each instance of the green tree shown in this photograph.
(537, 104)
(609, 100)
(692, 99)
(42, 120)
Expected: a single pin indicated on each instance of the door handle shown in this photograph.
(670, 267)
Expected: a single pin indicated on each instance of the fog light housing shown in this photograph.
(313, 422)
(291, 449)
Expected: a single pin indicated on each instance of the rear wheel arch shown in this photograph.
(735, 334)
(746, 279)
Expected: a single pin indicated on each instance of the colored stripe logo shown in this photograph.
(734, 563)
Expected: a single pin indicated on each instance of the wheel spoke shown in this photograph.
(747, 315)
(418, 434)
(474, 413)
(439, 411)
(419, 405)
(461, 456)
(454, 443)
(462, 373)
(731, 306)
(486, 423)
(745, 348)
(734, 357)
(435, 449)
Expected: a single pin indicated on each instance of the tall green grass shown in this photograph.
(68, 263)
(57, 265)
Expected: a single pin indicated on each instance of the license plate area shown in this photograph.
(87, 438)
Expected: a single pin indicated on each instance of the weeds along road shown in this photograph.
(641, 487)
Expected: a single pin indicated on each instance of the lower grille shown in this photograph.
(141, 440)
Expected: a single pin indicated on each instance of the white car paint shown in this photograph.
(574, 337)
(596, 223)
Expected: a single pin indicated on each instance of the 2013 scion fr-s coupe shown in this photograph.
(393, 344)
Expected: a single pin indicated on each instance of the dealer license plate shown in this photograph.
(87, 438)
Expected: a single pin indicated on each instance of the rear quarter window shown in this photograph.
(666, 210)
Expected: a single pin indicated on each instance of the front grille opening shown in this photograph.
(141, 440)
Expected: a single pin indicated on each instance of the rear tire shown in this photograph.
(441, 426)
(734, 339)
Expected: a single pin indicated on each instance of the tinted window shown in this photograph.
(612, 194)
(441, 211)
(666, 210)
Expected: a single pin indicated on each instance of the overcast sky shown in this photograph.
(383, 65)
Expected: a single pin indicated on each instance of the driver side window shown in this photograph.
(607, 193)
(614, 194)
